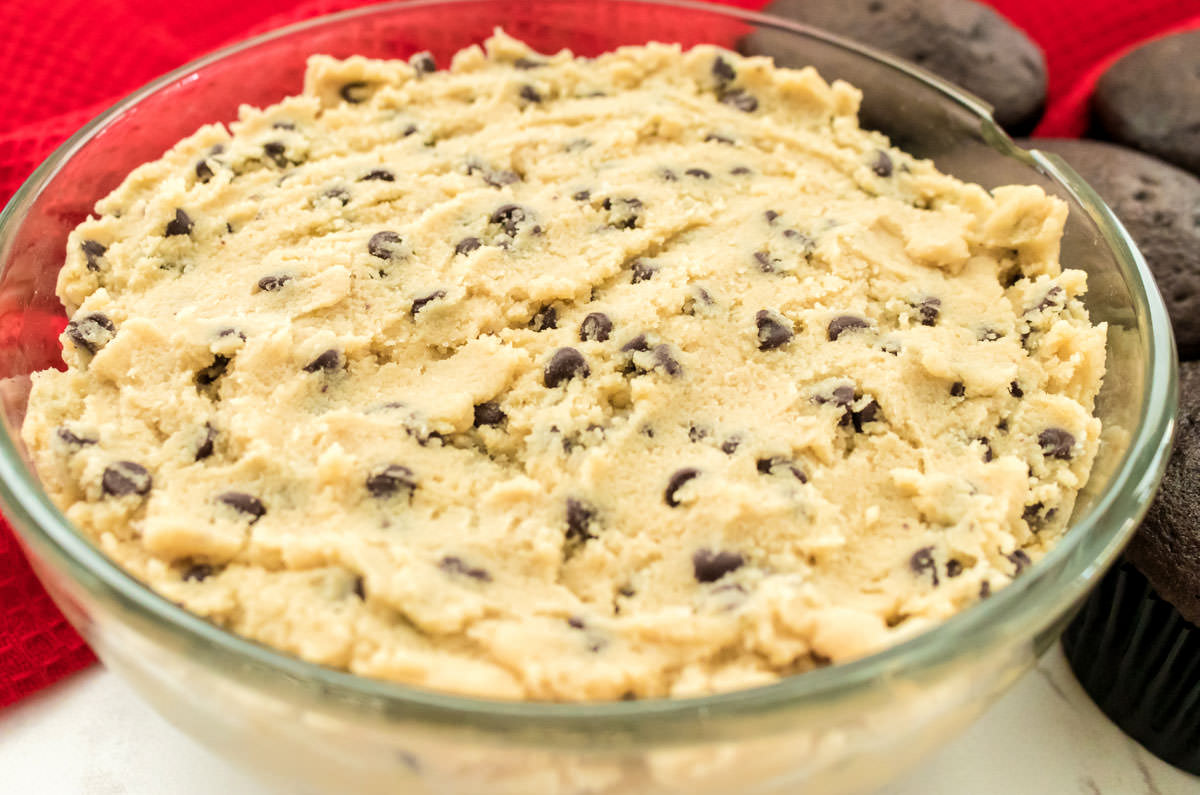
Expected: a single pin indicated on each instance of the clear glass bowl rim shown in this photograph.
(1023, 608)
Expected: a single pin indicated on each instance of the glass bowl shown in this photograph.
(838, 729)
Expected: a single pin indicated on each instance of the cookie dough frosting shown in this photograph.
(559, 378)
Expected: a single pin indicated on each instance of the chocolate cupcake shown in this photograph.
(1135, 645)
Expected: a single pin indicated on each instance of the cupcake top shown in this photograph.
(558, 378)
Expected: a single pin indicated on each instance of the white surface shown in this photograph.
(91, 736)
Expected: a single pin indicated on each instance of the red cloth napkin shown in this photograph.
(62, 63)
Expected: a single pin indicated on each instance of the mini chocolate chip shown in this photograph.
(709, 565)
(378, 174)
(525, 64)
(928, 309)
(408, 130)
(985, 589)
(676, 482)
(953, 568)
(1056, 443)
(1033, 516)
(740, 171)
(868, 413)
(698, 295)
(922, 561)
(500, 178)
(1020, 560)
(72, 438)
(385, 245)
(722, 71)
(453, 564)
(510, 217)
(328, 361)
(565, 364)
(423, 63)
(730, 445)
(882, 165)
(624, 213)
(91, 332)
(467, 245)
(125, 477)
(92, 251)
(392, 479)
(243, 503)
(776, 464)
(284, 125)
(181, 224)
(354, 92)
(696, 433)
(582, 196)
(489, 413)
(359, 589)
(958, 389)
(1015, 390)
(765, 263)
(718, 138)
(843, 323)
(1051, 299)
(771, 215)
(212, 372)
(1002, 426)
(272, 283)
(638, 343)
(737, 98)
(580, 516)
(198, 572)
(204, 172)
(575, 622)
(772, 330)
(530, 94)
(336, 193)
(596, 327)
(544, 319)
(206, 445)
(420, 303)
(230, 332)
(276, 151)
(698, 173)
(664, 360)
(642, 271)
(987, 449)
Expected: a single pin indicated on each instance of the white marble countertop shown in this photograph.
(91, 736)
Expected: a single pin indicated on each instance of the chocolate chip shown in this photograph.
(664, 360)
(582, 196)
(624, 213)
(1015, 390)
(420, 303)
(204, 172)
(718, 138)
(385, 245)
(392, 479)
(378, 174)
(709, 565)
(212, 372)
(580, 516)
(1051, 299)
(1033, 516)
(1002, 426)
(275, 151)
(840, 325)
(575, 622)
(638, 343)
(453, 564)
(777, 464)
(284, 125)
(987, 449)
(985, 589)
(765, 263)
(773, 331)
(489, 413)
(245, 503)
(953, 568)
(565, 364)
(737, 98)
(882, 165)
(206, 445)
(1020, 560)
(698, 173)
(544, 319)
(408, 130)
(525, 64)
(338, 194)
(730, 445)
(92, 251)
(771, 215)
(722, 71)
(354, 92)
(740, 171)
(922, 561)
(328, 361)
(500, 178)
(73, 439)
(423, 63)
(642, 271)
(125, 477)
(359, 589)
(198, 572)
(467, 245)
(698, 296)
(510, 217)
(958, 389)
(181, 224)
(868, 413)
(928, 310)
(272, 283)
(596, 327)
(530, 94)
(1056, 443)
(676, 482)
(696, 433)
(91, 332)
